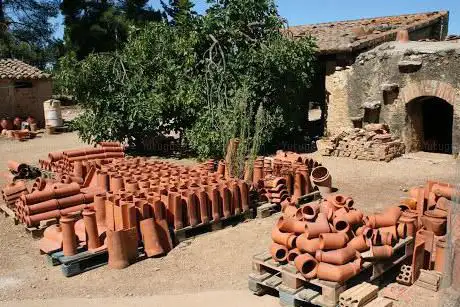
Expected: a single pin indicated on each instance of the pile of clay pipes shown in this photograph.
(12, 191)
(301, 175)
(329, 239)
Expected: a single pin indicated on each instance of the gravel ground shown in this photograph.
(218, 261)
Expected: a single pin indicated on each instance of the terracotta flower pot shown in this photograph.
(322, 179)
(338, 256)
(307, 245)
(307, 265)
(279, 252)
(321, 225)
(338, 273)
(329, 241)
(152, 246)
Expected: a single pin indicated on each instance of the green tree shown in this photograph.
(180, 12)
(26, 31)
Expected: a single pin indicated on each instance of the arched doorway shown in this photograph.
(430, 121)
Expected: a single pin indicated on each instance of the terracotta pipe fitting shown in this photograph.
(204, 205)
(118, 255)
(329, 241)
(92, 234)
(226, 197)
(99, 206)
(381, 252)
(310, 211)
(307, 265)
(152, 246)
(177, 203)
(359, 243)
(338, 273)
(289, 211)
(279, 252)
(293, 253)
(69, 239)
(42, 207)
(445, 191)
(286, 239)
(215, 204)
(131, 186)
(236, 198)
(291, 225)
(322, 179)
(388, 218)
(307, 245)
(116, 183)
(338, 256)
(411, 225)
(313, 230)
(298, 185)
(341, 225)
(444, 204)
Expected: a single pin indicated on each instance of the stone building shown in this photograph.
(367, 77)
(23, 89)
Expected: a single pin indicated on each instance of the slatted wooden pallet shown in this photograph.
(193, 231)
(293, 289)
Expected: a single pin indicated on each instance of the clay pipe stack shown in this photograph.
(13, 191)
(319, 238)
(49, 203)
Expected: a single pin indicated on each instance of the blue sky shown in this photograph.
(299, 12)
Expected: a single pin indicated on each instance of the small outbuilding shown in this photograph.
(23, 89)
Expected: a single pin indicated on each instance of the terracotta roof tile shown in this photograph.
(18, 70)
(351, 35)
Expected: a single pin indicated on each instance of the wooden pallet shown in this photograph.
(284, 281)
(79, 263)
(267, 209)
(193, 231)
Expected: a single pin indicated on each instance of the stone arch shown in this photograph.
(412, 95)
(432, 88)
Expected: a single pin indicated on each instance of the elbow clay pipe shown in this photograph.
(307, 245)
(332, 240)
(359, 243)
(339, 273)
(321, 225)
(279, 252)
(338, 256)
(291, 225)
(308, 212)
(293, 253)
(388, 218)
(286, 239)
(307, 265)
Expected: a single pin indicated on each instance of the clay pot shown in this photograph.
(152, 246)
(307, 245)
(293, 253)
(92, 234)
(359, 243)
(321, 225)
(338, 256)
(279, 252)
(307, 265)
(338, 273)
(329, 241)
(286, 239)
(381, 252)
(322, 179)
(69, 239)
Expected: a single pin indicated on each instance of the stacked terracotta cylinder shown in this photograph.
(13, 191)
(185, 196)
(301, 175)
(74, 165)
(48, 201)
(325, 239)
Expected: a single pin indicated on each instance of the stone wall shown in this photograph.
(392, 75)
(24, 101)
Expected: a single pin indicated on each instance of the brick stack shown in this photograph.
(374, 143)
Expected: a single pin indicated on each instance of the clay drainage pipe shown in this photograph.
(338, 273)
(279, 252)
(286, 239)
(322, 179)
(307, 265)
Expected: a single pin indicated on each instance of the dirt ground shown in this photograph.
(211, 267)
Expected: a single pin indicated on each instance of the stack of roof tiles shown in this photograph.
(374, 142)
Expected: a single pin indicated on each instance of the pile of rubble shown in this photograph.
(374, 142)
(330, 239)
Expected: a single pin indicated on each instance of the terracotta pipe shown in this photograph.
(92, 234)
(57, 192)
(411, 225)
(321, 225)
(445, 191)
(391, 229)
(192, 209)
(258, 173)
(444, 204)
(226, 197)
(291, 225)
(293, 253)
(332, 240)
(221, 168)
(177, 204)
(338, 256)
(388, 218)
(359, 243)
(341, 225)
(244, 189)
(289, 211)
(338, 273)
(99, 206)
(71, 201)
(310, 211)
(440, 256)
(353, 217)
(204, 205)
(116, 183)
(286, 239)
(307, 187)
(298, 184)
(307, 245)
(118, 256)
(322, 179)
(215, 204)
(381, 252)
(307, 265)
(236, 198)
(279, 252)
(328, 209)
(152, 246)
(69, 239)
(42, 207)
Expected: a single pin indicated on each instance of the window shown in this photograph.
(22, 84)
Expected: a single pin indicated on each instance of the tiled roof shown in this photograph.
(352, 35)
(18, 70)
